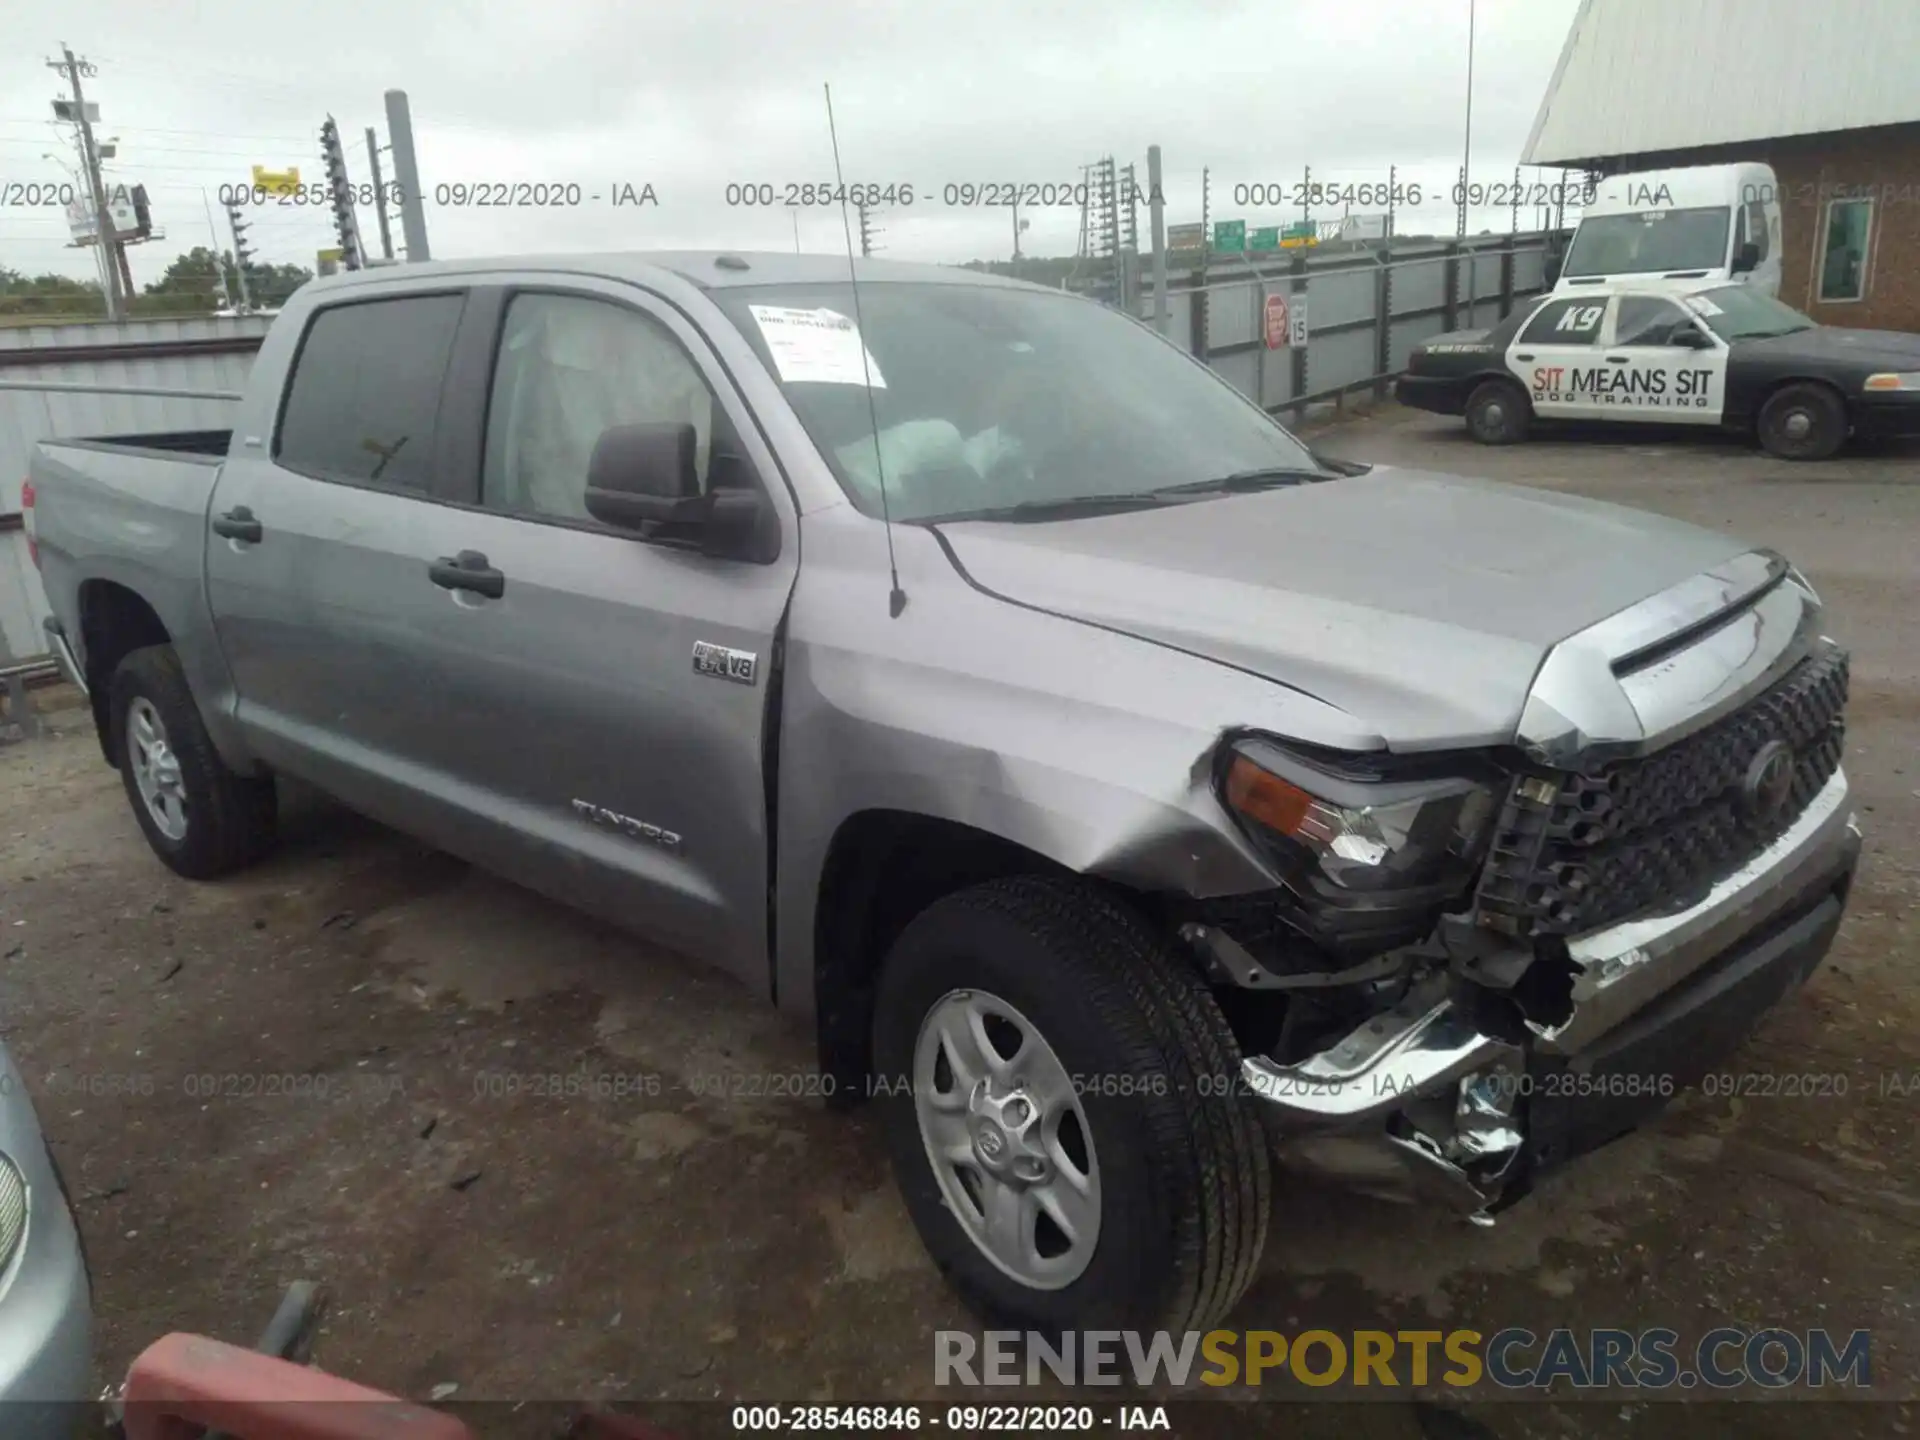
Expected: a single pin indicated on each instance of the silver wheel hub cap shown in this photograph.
(156, 770)
(1007, 1139)
(1496, 415)
(1797, 424)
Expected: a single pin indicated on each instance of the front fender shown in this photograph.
(1088, 747)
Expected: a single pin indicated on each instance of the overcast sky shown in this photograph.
(688, 97)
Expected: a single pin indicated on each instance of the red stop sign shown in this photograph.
(1275, 321)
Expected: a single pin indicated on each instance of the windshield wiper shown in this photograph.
(1071, 508)
(1241, 482)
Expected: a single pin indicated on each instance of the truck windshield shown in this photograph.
(1739, 312)
(1649, 241)
(990, 398)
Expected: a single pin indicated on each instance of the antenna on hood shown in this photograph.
(896, 598)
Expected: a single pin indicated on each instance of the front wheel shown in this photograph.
(1498, 413)
(1802, 422)
(1060, 1097)
(201, 818)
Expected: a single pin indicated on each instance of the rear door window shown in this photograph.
(364, 400)
(1566, 322)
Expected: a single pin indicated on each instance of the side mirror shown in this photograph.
(644, 474)
(1746, 258)
(643, 477)
(1690, 337)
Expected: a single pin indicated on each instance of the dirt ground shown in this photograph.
(651, 1242)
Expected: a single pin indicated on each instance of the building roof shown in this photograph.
(1642, 77)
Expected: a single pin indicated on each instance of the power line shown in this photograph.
(280, 138)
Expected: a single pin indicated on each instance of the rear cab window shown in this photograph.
(363, 403)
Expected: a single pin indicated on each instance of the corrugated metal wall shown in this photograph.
(196, 353)
(1342, 308)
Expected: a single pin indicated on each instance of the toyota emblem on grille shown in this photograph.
(1769, 781)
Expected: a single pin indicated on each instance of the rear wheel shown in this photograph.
(201, 818)
(1060, 1098)
(1498, 413)
(1803, 422)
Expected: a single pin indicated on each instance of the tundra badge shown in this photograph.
(626, 825)
(739, 666)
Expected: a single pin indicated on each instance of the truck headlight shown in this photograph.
(1356, 841)
(1907, 380)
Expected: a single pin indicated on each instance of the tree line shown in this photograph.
(191, 285)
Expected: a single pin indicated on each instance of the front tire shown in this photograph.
(1802, 422)
(1061, 1100)
(1498, 413)
(201, 819)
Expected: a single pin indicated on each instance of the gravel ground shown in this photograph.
(322, 1053)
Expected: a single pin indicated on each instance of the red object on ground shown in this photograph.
(182, 1384)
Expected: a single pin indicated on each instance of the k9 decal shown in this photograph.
(721, 663)
(1581, 318)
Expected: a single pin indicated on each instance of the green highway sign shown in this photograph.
(1230, 235)
(1267, 238)
(1300, 230)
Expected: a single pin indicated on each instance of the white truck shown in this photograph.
(1683, 227)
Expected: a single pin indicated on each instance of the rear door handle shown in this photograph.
(238, 524)
(1519, 356)
(468, 570)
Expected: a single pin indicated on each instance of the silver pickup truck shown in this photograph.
(1126, 794)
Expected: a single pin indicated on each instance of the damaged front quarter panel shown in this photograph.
(1089, 748)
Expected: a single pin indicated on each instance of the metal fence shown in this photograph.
(1365, 310)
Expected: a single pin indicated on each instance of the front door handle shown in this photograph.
(238, 524)
(468, 570)
(1617, 359)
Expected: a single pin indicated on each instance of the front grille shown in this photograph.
(1575, 852)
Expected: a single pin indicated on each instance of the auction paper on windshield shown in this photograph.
(818, 346)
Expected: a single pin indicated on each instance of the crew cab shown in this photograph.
(1123, 793)
(1725, 356)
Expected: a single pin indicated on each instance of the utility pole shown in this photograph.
(213, 233)
(406, 175)
(1157, 221)
(346, 227)
(379, 193)
(1466, 146)
(90, 155)
(241, 255)
(867, 233)
(1016, 224)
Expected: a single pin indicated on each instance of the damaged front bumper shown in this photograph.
(1452, 1098)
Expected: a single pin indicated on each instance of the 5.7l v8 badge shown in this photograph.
(740, 666)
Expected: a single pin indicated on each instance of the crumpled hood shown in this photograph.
(1420, 604)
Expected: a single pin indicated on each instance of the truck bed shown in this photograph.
(183, 443)
(128, 511)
